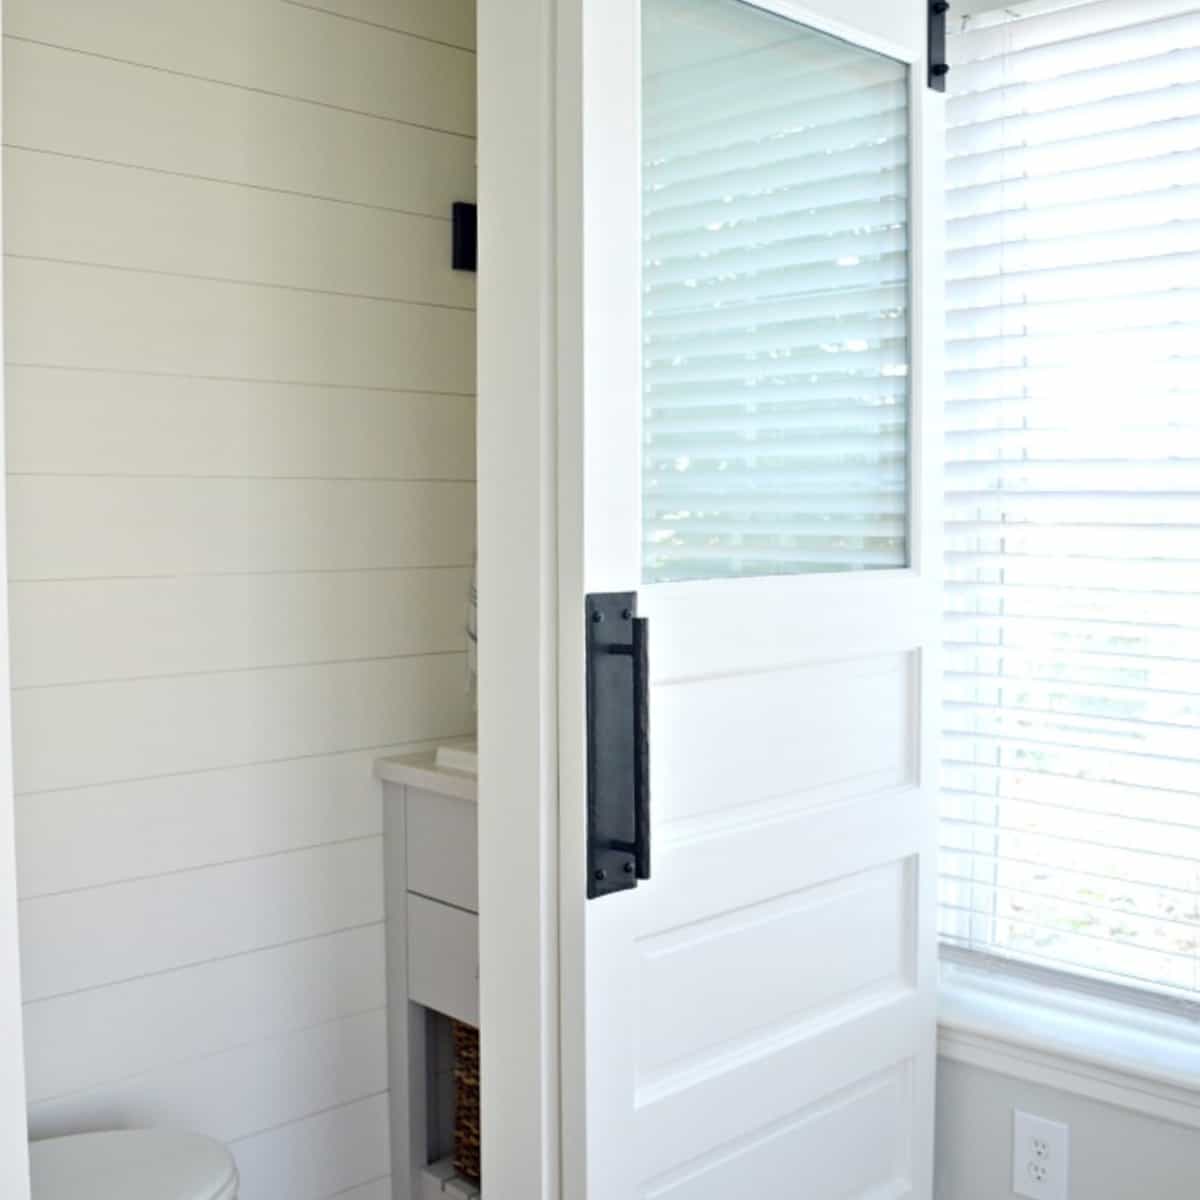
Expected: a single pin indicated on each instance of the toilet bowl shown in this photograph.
(133, 1164)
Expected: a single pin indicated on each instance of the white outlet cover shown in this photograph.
(1041, 1150)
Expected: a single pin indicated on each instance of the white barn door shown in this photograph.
(748, 313)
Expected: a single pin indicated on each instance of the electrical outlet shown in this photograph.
(1040, 1152)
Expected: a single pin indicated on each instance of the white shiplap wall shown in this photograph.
(241, 463)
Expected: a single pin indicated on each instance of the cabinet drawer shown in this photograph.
(443, 958)
(441, 840)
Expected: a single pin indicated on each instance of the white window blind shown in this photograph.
(1071, 813)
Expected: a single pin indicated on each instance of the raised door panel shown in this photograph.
(771, 737)
(820, 1147)
(768, 969)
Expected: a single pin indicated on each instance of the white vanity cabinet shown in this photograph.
(431, 872)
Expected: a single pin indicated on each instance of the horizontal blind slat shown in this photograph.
(1017, 193)
(1011, 99)
(1064, 869)
(1122, 40)
(1087, 151)
(1004, 37)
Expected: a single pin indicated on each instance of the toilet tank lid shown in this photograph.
(134, 1164)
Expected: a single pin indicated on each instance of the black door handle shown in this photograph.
(641, 746)
(618, 744)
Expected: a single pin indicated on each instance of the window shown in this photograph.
(1071, 773)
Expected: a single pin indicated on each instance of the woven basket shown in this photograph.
(466, 1101)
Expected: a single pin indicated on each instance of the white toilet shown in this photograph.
(134, 1164)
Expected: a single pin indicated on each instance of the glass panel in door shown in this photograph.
(775, 307)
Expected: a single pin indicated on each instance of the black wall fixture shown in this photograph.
(465, 251)
(938, 68)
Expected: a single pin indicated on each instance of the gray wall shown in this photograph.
(1116, 1154)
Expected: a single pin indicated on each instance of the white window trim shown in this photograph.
(1104, 1049)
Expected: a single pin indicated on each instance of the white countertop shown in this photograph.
(421, 770)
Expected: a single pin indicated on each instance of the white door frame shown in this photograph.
(517, 577)
(14, 1149)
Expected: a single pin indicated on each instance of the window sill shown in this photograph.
(1108, 1051)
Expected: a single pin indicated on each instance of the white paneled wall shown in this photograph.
(241, 516)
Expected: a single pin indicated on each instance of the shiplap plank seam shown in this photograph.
(296, 665)
(168, 1017)
(451, 729)
(247, 670)
(206, 1056)
(458, 566)
(93, 264)
(95, 213)
(245, 476)
(90, 107)
(204, 962)
(379, 25)
(453, 732)
(32, 365)
(307, 1117)
(197, 916)
(242, 87)
(307, 1170)
(381, 1182)
(265, 46)
(317, 197)
(452, 566)
(258, 762)
(184, 626)
(261, 856)
(75, 315)
(244, 1090)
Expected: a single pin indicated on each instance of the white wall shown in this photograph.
(241, 516)
(1116, 1154)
